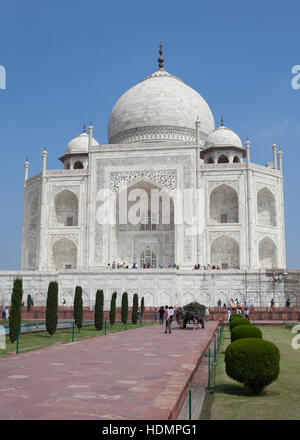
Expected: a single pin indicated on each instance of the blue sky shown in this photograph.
(69, 61)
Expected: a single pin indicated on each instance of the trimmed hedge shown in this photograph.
(52, 308)
(245, 331)
(239, 321)
(135, 307)
(99, 314)
(124, 309)
(232, 317)
(253, 362)
(112, 312)
(15, 309)
(78, 308)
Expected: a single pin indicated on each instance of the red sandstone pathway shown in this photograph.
(135, 374)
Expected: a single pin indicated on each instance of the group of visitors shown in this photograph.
(5, 313)
(206, 267)
(124, 265)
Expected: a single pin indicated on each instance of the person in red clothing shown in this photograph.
(167, 316)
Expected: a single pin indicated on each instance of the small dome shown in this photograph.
(159, 108)
(223, 137)
(80, 144)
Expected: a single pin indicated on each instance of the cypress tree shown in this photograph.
(124, 311)
(112, 313)
(99, 310)
(142, 307)
(28, 303)
(15, 309)
(78, 309)
(51, 308)
(135, 308)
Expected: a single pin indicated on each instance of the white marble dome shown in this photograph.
(223, 137)
(80, 144)
(159, 108)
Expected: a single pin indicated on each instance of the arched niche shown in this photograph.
(78, 165)
(236, 159)
(267, 252)
(64, 254)
(224, 206)
(145, 226)
(66, 209)
(225, 253)
(223, 159)
(266, 208)
(33, 217)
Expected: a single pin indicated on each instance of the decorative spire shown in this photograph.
(84, 127)
(222, 121)
(160, 58)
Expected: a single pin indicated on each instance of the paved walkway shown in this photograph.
(138, 374)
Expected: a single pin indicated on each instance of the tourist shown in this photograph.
(64, 302)
(272, 303)
(155, 314)
(161, 315)
(206, 314)
(167, 316)
(224, 306)
(171, 314)
(174, 266)
(288, 302)
(239, 311)
(247, 314)
(219, 303)
(3, 312)
(7, 314)
(228, 314)
(108, 266)
(139, 314)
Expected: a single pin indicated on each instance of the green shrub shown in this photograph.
(15, 309)
(124, 309)
(28, 303)
(245, 331)
(232, 317)
(99, 315)
(135, 308)
(78, 308)
(253, 362)
(112, 312)
(51, 308)
(142, 306)
(239, 321)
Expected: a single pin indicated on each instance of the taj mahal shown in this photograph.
(97, 221)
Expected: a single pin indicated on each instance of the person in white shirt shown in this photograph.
(228, 314)
(171, 314)
(206, 314)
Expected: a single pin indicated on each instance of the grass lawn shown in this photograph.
(279, 401)
(38, 340)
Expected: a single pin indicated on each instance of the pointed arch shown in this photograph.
(267, 251)
(266, 207)
(64, 254)
(66, 209)
(223, 159)
(224, 205)
(225, 252)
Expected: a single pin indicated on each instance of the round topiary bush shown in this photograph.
(232, 317)
(253, 362)
(245, 331)
(239, 321)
